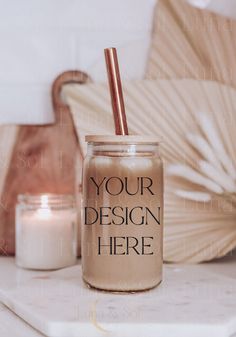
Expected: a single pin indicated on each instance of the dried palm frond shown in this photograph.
(196, 122)
(192, 43)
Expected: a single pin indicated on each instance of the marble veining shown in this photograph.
(196, 301)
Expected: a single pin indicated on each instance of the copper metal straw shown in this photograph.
(117, 99)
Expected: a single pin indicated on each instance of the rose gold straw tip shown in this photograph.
(109, 49)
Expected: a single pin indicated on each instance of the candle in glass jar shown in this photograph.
(46, 232)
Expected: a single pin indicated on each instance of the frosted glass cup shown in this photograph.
(122, 215)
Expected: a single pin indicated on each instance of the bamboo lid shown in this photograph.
(131, 139)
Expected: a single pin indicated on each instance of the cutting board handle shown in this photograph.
(70, 76)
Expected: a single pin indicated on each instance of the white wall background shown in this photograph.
(40, 39)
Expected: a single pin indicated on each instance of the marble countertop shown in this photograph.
(193, 300)
(13, 326)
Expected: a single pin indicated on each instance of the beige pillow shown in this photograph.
(196, 126)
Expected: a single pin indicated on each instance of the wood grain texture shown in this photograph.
(42, 160)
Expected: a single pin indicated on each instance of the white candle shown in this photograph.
(46, 238)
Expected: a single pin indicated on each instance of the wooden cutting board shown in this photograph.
(37, 159)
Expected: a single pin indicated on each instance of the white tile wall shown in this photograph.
(40, 39)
